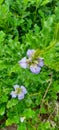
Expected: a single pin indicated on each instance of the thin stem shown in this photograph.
(57, 109)
(34, 94)
(46, 91)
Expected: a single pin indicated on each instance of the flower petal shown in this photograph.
(20, 96)
(30, 52)
(16, 86)
(23, 63)
(23, 90)
(13, 94)
(22, 119)
(35, 69)
(41, 62)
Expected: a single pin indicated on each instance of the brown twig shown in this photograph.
(50, 81)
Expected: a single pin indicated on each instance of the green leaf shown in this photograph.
(1, 1)
(43, 110)
(2, 36)
(12, 103)
(45, 2)
(4, 98)
(22, 127)
(2, 110)
(13, 120)
(9, 122)
(51, 57)
(28, 113)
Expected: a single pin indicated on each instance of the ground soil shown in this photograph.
(10, 128)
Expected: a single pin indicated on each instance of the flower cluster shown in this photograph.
(34, 64)
(19, 91)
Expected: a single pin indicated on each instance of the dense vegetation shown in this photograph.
(29, 24)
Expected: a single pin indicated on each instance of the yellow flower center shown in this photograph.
(18, 90)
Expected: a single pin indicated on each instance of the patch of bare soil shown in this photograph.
(13, 127)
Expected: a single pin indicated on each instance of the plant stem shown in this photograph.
(46, 91)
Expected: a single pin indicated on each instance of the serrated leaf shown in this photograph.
(13, 120)
(29, 113)
(12, 103)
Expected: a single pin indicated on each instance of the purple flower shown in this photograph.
(13, 94)
(20, 96)
(34, 68)
(19, 91)
(23, 90)
(30, 52)
(33, 64)
(41, 62)
(16, 86)
(23, 63)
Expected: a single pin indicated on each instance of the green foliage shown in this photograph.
(29, 24)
